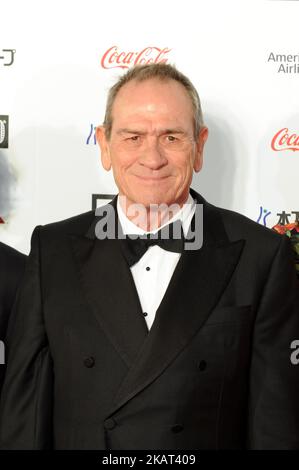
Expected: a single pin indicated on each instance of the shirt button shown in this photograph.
(177, 428)
(145, 314)
(110, 423)
(202, 365)
(148, 268)
(89, 361)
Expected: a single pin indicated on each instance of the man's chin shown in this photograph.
(152, 199)
(146, 196)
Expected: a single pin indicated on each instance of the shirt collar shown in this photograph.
(185, 214)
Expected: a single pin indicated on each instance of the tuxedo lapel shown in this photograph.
(194, 290)
(109, 289)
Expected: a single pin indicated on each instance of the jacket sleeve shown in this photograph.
(273, 419)
(26, 399)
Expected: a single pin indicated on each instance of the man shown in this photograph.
(12, 265)
(122, 345)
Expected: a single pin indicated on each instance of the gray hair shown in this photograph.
(162, 72)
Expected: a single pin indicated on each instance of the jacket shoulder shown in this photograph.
(239, 226)
(76, 225)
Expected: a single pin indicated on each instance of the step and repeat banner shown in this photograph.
(59, 58)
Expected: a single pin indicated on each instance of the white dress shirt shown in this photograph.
(152, 273)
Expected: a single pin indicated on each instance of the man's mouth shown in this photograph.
(152, 178)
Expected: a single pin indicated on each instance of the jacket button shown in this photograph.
(89, 361)
(110, 423)
(177, 428)
(202, 365)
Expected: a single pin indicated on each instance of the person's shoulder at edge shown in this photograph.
(7, 252)
(12, 264)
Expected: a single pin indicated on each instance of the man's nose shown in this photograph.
(152, 156)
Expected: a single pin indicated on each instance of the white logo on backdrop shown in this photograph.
(3, 123)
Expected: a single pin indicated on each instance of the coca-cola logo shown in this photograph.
(115, 58)
(285, 140)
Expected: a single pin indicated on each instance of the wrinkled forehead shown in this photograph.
(153, 99)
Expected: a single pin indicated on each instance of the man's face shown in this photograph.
(152, 148)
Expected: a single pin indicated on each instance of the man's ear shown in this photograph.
(200, 142)
(104, 146)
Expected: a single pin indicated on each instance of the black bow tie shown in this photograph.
(170, 238)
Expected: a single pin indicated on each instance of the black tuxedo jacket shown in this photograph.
(214, 371)
(12, 265)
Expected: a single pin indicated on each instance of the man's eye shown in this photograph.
(171, 138)
(134, 138)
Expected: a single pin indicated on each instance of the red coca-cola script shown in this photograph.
(115, 58)
(285, 140)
